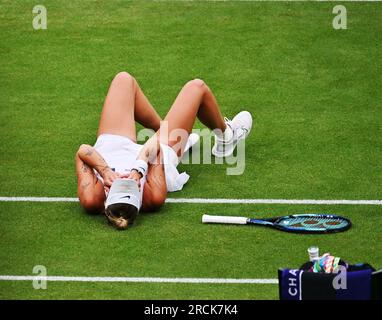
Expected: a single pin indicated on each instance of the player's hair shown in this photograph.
(118, 212)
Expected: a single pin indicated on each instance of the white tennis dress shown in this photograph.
(121, 152)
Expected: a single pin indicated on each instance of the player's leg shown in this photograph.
(195, 100)
(144, 112)
(125, 103)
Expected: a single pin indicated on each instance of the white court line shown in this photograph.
(333, 1)
(273, 201)
(38, 199)
(274, 0)
(217, 201)
(138, 279)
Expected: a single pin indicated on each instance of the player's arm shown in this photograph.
(91, 158)
(155, 190)
(90, 189)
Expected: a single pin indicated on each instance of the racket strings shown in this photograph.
(314, 223)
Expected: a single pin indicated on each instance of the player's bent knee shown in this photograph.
(124, 76)
(196, 83)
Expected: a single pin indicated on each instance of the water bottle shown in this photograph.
(313, 254)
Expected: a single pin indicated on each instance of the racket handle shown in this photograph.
(223, 219)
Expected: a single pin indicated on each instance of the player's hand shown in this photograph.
(106, 189)
(109, 176)
(135, 175)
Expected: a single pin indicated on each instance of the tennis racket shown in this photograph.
(299, 223)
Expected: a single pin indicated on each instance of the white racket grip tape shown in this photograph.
(223, 219)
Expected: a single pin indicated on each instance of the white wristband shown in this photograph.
(140, 166)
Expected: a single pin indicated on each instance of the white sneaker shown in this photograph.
(237, 129)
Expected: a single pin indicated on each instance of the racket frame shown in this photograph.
(274, 222)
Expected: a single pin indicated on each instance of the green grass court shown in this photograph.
(316, 98)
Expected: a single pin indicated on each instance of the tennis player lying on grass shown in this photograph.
(119, 177)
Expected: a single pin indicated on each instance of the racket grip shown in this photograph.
(223, 219)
